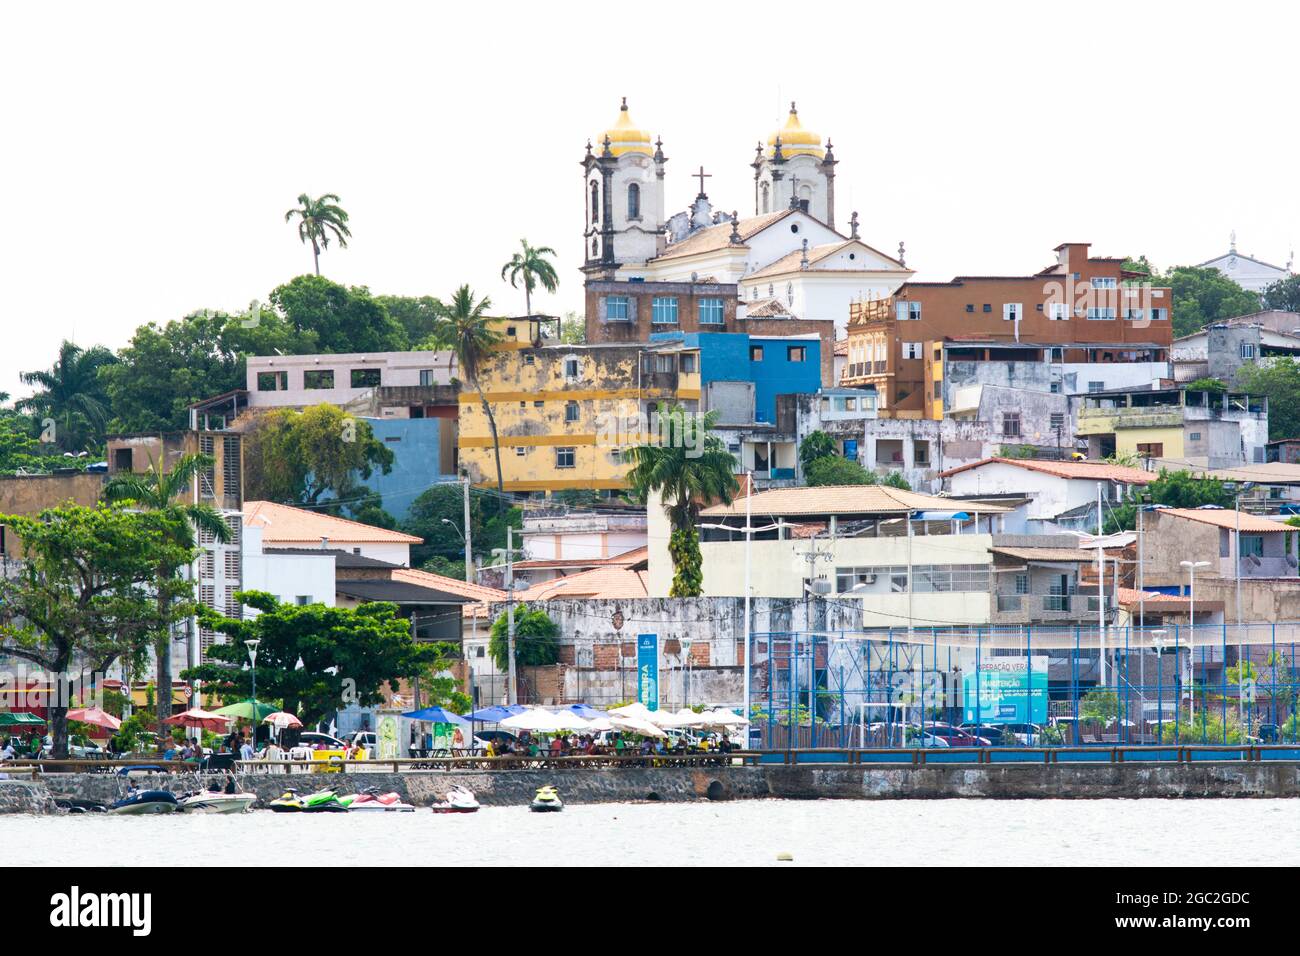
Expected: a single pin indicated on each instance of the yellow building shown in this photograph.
(566, 413)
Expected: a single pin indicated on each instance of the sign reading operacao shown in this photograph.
(1005, 690)
(647, 670)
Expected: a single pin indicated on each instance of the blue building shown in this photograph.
(774, 365)
(423, 455)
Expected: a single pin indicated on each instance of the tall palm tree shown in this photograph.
(530, 266)
(318, 219)
(689, 466)
(164, 491)
(71, 393)
(464, 327)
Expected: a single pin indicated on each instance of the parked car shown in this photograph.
(956, 737)
(996, 736)
(1028, 735)
(314, 738)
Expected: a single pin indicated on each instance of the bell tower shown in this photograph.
(795, 172)
(623, 197)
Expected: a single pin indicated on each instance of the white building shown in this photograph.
(557, 545)
(275, 381)
(1253, 275)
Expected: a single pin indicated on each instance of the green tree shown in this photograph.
(346, 654)
(1283, 295)
(1202, 296)
(895, 479)
(163, 491)
(418, 315)
(537, 639)
(306, 457)
(85, 594)
(530, 266)
(815, 445)
(437, 515)
(318, 220)
(689, 466)
(342, 319)
(835, 470)
(1100, 704)
(466, 329)
(1175, 489)
(573, 329)
(1207, 385)
(19, 449)
(166, 369)
(72, 394)
(1279, 381)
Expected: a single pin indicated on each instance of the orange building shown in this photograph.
(1082, 310)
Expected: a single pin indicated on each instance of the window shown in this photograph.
(1252, 545)
(756, 353)
(925, 578)
(1247, 350)
(1159, 315)
(789, 293)
(711, 311)
(633, 201)
(665, 363)
(595, 202)
(564, 457)
(911, 350)
(663, 310)
(1151, 449)
(538, 404)
(1022, 584)
(1193, 436)
(1055, 388)
(987, 307)
(688, 362)
(570, 368)
(426, 377)
(938, 390)
(1058, 312)
(616, 308)
(1038, 306)
(520, 451)
(302, 600)
(1096, 386)
(272, 381)
(530, 360)
(1012, 312)
(1058, 420)
(1134, 315)
(1101, 315)
(908, 311)
(970, 306)
(795, 353)
(1104, 282)
(570, 411)
(318, 378)
(1010, 424)
(365, 377)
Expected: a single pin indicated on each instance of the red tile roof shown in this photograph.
(284, 524)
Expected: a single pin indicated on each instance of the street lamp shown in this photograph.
(1157, 641)
(252, 645)
(1191, 567)
(686, 669)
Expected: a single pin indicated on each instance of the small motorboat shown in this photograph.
(458, 800)
(137, 802)
(547, 801)
(216, 801)
(371, 800)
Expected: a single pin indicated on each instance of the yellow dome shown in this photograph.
(624, 137)
(795, 140)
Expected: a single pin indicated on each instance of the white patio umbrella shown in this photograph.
(635, 725)
(635, 711)
(568, 720)
(541, 721)
(721, 717)
(600, 724)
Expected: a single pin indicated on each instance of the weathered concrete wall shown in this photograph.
(515, 787)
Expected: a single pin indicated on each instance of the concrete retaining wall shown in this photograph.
(515, 787)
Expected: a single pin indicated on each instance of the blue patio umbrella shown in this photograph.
(585, 712)
(495, 714)
(437, 715)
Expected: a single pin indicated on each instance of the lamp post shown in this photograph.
(252, 646)
(1157, 641)
(1191, 567)
(686, 670)
(469, 565)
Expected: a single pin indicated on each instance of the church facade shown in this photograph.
(785, 262)
(1253, 275)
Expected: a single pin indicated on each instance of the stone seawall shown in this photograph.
(807, 782)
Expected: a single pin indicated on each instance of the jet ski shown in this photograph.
(372, 799)
(323, 801)
(287, 802)
(138, 802)
(458, 800)
(547, 801)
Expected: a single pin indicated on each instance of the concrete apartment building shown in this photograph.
(1221, 350)
(1077, 325)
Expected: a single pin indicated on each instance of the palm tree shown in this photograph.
(464, 327)
(164, 491)
(689, 466)
(318, 218)
(531, 266)
(71, 394)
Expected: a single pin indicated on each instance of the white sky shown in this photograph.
(149, 152)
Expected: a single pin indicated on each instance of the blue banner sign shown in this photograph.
(647, 670)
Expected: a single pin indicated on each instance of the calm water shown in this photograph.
(961, 832)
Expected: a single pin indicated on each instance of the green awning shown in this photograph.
(20, 719)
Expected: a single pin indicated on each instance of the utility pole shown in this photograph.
(749, 544)
(469, 537)
(512, 694)
(1101, 588)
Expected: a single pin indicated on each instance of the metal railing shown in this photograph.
(920, 757)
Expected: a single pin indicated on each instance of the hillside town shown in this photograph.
(764, 469)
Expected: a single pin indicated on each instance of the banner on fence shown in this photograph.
(647, 668)
(1004, 690)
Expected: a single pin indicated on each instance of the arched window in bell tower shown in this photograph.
(633, 201)
(766, 199)
(595, 202)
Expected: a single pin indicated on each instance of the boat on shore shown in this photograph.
(141, 802)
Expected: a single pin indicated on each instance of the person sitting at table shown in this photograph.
(8, 752)
(557, 746)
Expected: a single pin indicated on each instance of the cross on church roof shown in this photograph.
(701, 176)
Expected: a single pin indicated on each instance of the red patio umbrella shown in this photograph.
(197, 717)
(95, 716)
